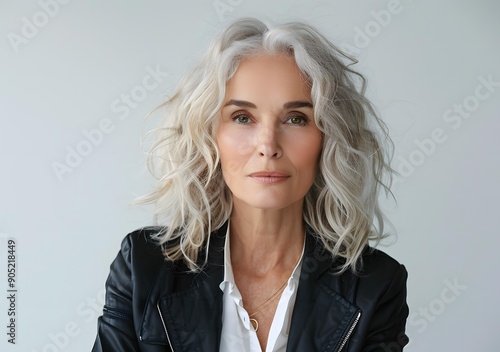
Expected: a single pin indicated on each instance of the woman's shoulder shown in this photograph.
(143, 252)
(380, 272)
(140, 250)
(142, 239)
(376, 261)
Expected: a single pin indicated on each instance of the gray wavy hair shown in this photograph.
(342, 205)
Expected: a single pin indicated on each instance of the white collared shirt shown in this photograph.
(238, 334)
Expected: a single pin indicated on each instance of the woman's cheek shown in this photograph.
(239, 141)
(235, 147)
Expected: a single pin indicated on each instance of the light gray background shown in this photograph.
(65, 78)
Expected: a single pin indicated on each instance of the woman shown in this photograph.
(269, 169)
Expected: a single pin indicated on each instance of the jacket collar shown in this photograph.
(184, 309)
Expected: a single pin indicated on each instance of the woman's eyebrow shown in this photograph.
(241, 104)
(297, 104)
(290, 105)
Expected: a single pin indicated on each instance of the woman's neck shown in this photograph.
(265, 240)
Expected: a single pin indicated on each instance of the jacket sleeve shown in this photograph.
(115, 329)
(387, 329)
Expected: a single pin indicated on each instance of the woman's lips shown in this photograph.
(269, 177)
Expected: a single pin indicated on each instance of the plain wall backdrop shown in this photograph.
(77, 79)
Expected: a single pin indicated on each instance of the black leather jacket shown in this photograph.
(153, 305)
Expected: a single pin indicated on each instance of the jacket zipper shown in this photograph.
(164, 326)
(349, 332)
(116, 314)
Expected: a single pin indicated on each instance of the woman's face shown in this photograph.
(268, 141)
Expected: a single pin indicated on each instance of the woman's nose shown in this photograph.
(268, 144)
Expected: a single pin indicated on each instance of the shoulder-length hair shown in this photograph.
(341, 207)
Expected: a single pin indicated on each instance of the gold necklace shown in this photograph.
(253, 321)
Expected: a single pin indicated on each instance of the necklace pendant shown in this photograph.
(255, 324)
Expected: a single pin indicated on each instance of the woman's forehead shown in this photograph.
(265, 75)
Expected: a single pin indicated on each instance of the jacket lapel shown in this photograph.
(192, 319)
(321, 317)
(184, 309)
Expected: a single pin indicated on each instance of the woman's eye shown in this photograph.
(243, 119)
(297, 120)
